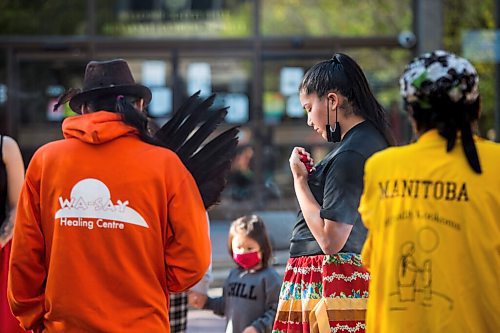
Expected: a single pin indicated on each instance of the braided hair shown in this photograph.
(124, 105)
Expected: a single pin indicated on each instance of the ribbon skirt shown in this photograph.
(8, 323)
(323, 293)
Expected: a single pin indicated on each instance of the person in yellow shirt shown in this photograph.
(431, 209)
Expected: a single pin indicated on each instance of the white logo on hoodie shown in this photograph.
(91, 199)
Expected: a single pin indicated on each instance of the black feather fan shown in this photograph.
(186, 132)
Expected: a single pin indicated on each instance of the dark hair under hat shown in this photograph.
(104, 78)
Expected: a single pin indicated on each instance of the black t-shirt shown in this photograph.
(337, 185)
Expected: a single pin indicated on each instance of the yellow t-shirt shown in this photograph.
(433, 245)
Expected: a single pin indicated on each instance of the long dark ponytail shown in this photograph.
(450, 118)
(341, 73)
(124, 105)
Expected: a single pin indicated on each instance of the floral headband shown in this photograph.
(439, 74)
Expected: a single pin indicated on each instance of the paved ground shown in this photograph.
(203, 321)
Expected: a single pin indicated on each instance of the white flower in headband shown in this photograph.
(439, 74)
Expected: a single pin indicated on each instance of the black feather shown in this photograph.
(65, 97)
(215, 185)
(174, 122)
(224, 145)
(190, 123)
(188, 130)
(202, 133)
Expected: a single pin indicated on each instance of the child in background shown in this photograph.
(250, 293)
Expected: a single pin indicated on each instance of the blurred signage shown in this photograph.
(54, 90)
(290, 78)
(238, 107)
(153, 73)
(154, 76)
(174, 19)
(161, 102)
(293, 107)
(274, 107)
(54, 115)
(199, 77)
(481, 45)
(62, 112)
(3, 93)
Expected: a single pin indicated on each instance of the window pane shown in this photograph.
(228, 77)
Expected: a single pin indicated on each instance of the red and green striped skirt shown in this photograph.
(323, 293)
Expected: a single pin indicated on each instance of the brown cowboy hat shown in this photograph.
(108, 78)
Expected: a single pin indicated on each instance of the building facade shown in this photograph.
(252, 54)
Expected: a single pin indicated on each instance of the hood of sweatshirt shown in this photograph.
(97, 127)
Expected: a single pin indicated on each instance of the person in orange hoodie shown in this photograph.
(108, 223)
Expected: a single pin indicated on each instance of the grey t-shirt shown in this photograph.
(337, 185)
(249, 298)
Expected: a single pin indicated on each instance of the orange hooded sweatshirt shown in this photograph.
(107, 225)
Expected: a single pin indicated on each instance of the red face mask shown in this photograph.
(247, 260)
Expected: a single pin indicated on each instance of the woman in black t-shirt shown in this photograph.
(325, 284)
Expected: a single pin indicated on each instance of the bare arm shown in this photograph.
(330, 235)
(15, 175)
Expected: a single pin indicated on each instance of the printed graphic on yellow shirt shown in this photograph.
(414, 282)
(90, 206)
